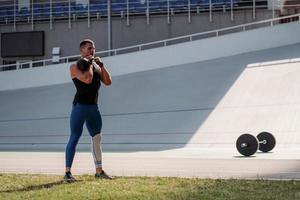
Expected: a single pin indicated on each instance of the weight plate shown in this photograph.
(251, 144)
(269, 143)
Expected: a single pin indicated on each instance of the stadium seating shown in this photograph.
(61, 9)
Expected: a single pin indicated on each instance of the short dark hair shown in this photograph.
(85, 41)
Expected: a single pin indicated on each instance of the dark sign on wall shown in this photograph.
(22, 44)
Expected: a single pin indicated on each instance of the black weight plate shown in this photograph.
(270, 141)
(252, 144)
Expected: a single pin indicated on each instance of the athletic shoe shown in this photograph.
(69, 177)
(103, 175)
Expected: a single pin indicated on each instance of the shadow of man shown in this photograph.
(36, 187)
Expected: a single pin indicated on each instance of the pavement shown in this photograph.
(215, 163)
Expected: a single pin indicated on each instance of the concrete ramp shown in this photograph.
(201, 104)
(263, 98)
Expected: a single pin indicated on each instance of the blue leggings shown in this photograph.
(82, 113)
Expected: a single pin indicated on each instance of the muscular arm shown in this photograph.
(85, 77)
(104, 74)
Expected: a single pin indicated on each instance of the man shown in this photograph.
(87, 75)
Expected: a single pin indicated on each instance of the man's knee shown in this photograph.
(73, 140)
(97, 139)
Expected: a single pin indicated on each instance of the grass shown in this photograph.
(87, 187)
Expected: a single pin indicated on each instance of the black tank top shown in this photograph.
(87, 93)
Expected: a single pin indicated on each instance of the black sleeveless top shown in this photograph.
(87, 93)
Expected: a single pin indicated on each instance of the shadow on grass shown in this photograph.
(38, 187)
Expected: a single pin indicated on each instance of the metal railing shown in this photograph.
(67, 9)
(160, 43)
(71, 11)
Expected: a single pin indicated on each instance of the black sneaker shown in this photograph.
(69, 177)
(103, 175)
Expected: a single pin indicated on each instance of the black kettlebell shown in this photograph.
(84, 64)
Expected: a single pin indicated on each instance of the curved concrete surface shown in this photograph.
(198, 104)
(188, 118)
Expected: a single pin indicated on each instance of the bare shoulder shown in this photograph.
(73, 70)
(72, 66)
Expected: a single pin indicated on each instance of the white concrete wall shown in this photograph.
(189, 52)
(202, 104)
(194, 104)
